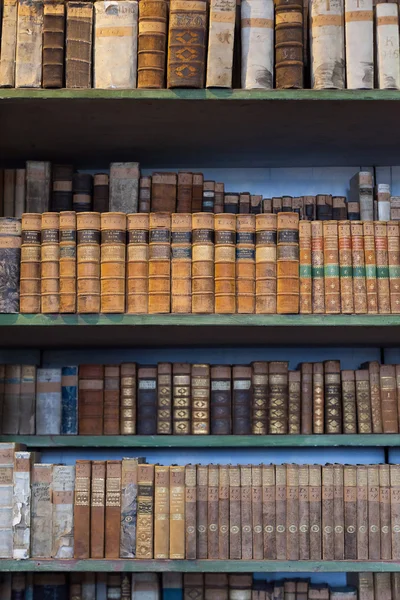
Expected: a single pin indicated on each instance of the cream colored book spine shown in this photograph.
(359, 24)
(115, 44)
(327, 44)
(63, 511)
(257, 40)
(8, 43)
(220, 43)
(387, 46)
(22, 505)
(28, 62)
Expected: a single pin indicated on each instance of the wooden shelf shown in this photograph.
(204, 441)
(201, 128)
(198, 566)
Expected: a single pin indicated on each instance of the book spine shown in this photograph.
(2, 390)
(147, 401)
(235, 530)
(317, 267)
(307, 398)
(395, 509)
(363, 401)
(83, 470)
(113, 509)
(129, 491)
(124, 182)
(202, 511)
(78, 53)
(223, 513)
(388, 399)
(50, 263)
(82, 192)
(294, 405)
(245, 512)
(225, 241)
(41, 509)
(53, 43)
(62, 175)
(128, 399)
(152, 43)
(115, 45)
(200, 398)
(12, 392)
(331, 267)
(27, 400)
(164, 398)
(91, 399)
(370, 267)
(177, 513)
(359, 283)
(221, 400)
(88, 262)
(241, 400)
(220, 43)
(305, 267)
(257, 44)
(266, 271)
(197, 192)
(190, 512)
(28, 56)
(213, 511)
(38, 175)
(338, 511)
(350, 512)
(387, 41)
(269, 511)
(8, 43)
(97, 510)
(63, 511)
(10, 257)
(281, 511)
(219, 193)
(30, 263)
(393, 236)
(111, 423)
(278, 397)
(181, 409)
(259, 405)
(101, 192)
(19, 200)
(48, 401)
(292, 517)
(375, 391)
(289, 59)
(384, 512)
(184, 193)
(327, 46)
(137, 267)
(315, 491)
(113, 256)
(304, 514)
(318, 398)
(349, 401)
(181, 263)
(333, 397)
(374, 535)
(9, 193)
(359, 57)
(362, 513)
(163, 192)
(288, 290)
(21, 510)
(382, 267)
(144, 185)
(159, 263)
(67, 264)
(256, 512)
(203, 263)
(245, 264)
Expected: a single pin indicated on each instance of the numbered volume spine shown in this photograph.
(181, 263)
(266, 236)
(202, 263)
(113, 254)
(50, 259)
(30, 263)
(137, 268)
(88, 267)
(68, 262)
(225, 247)
(159, 263)
(245, 264)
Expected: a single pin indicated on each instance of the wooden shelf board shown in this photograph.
(201, 128)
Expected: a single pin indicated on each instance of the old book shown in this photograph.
(67, 262)
(245, 264)
(395, 586)
(294, 404)
(28, 56)
(331, 267)
(19, 197)
(362, 512)
(314, 474)
(208, 196)
(333, 397)
(83, 471)
(221, 400)
(266, 270)
(364, 582)
(259, 405)
(235, 529)
(288, 290)
(128, 399)
(220, 44)
(202, 511)
(101, 192)
(350, 512)
(12, 391)
(50, 263)
(304, 514)
(305, 267)
(124, 185)
(223, 512)
(30, 263)
(241, 399)
(370, 267)
(8, 43)
(225, 240)
(216, 586)
(97, 510)
(246, 519)
(146, 585)
(278, 397)
(78, 52)
(129, 491)
(328, 542)
(338, 512)
(163, 192)
(382, 586)
(231, 203)
(395, 509)
(197, 192)
(147, 401)
(63, 511)
(111, 422)
(349, 401)
(159, 263)
(144, 524)
(62, 175)
(82, 184)
(359, 282)
(177, 512)
(10, 256)
(184, 192)
(364, 416)
(317, 267)
(375, 393)
(145, 191)
(88, 227)
(219, 193)
(38, 175)
(388, 399)
(113, 509)
(21, 505)
(374, 536)
(200, 399)
(256, 512)
(269, 511)
(307, 419)
(382, 201)
(202, 263)
(327, 45)
(115, 45)
(281, 511)
(257, 44)
(362, 191)
(387, 41)
(9, 193)
(91, 399)
(48, 401)
(382, 267)
(181, 417)
(187, 44)
(289, 60)
(181, 263)
(393, 237)
(113, 257)
(137, 263)
(41, 509)
(27, 400)
(292, 517)
(190, 512)
(164, 398)
(359, 57)
(53, 43)
(152, 43)
(384, 512)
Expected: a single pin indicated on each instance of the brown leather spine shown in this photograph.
(159, 263)
(225, 246)
(256, 512)
(281, 511)
(231, 203)
(289, 60)
(359, 284)
(304, 514)
(91, 398)
(50, 267)
(333, 397)
(244, 203)
(331, 267)
(314, 474)
(374, 534)
(163, 192)
(223, 513)
(287, 259)
(147, 400)
(241, 399)
(382, 267)
(78, 56)
(317, 268)
(113, 255)
(181, 263)
(88, 268)
(208, 196)
(305, 267)
(181, 417)
(350, 512)
(111, 399)
(190, 512)
(101, 192)
(393, 236)
(363, 399)
(202, 263)
(318, 398)
(67, 262)
(292, 516)
(152, 43)
(278, 397)
(184, 193)
(187, 44)
(212, 511)
(113, 509)
(137, 268)
(246, 519)
(349, 402)
(328, 551)
(164, 398)
(259, 408)
(269, 511)
(306, 398)
(30, 281)
(128, 399)
(294, 406)
(144, 194)
(200, 397)
(395, 509)
(202, 511)
(221, 400)
(219, 197)
(53, 44)
(145, 512)
(82, 184)
(375, 391)
(235, 532)
(384, 512)
(197, 193)
(389, 399)
(161, 511)
(266, 236)
(338, 511)
(97, 503)
(370, 267)
(82, 509)
(362, 512)
(245, 264)
(346, 267)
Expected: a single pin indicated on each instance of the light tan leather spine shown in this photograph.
(113, 251)
(181, 264)
(88, 232)
(50, 257)
(225, 250)
(67, 262)
(266, 263)
(159, 263)
(203, 263)
(245, 264)
(30, 263)
(137, 268)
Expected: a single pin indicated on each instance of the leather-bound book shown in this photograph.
(137, 267)
(10, 406)
(305, 267)
(304, 514)
(346, 267)
(395, 509)
(78, 54)
(30, 263)
(101, 192)
(278, 397)
(181, 263)
(245, 264)
(202, 511)
(161, 511)
(353, 211)
(9, 193)
(307, 419)
(287, 204)
(395, 586)
(19, 197)
(113, 255)
(388, 399)
(82, 184)
(152, 43)
(223, 512)
(349, 401)
(375, 393)
(256, 204)
(231, 203)
(53, 44)
(28, 55)
(163, 192)
(184, 192)
(67, 263)
(333, 397)
(202, 263)
(181, 417)
(219, 193)
(91, 399)
(200, 397)
(111, 400)
(281, 511)
(256, 512)
(244, 203)
(41, 510)
(221, 400)
(88, 266)
(113, 509)
(331, 267)
(147, 401)
(328, 549)
(124, 187)
(50, 263)
(339, 208)
(61, 197)
(289, 61)
(241, 399)
(364, 415)
(359, 57)
(190, 512)
(382, 267)
(164, 398)
(393, 237)
(83, 469)
(362, 512)
(115, 55)
(159, 263)
(257, 44)
(187, 44)
(220, 43)
(208, 196)
(269, 511)
(97, 510)
(10, 257)
(338, 511)
(144, 193)
(350, 512)
(294, 404)
(315, 496)
(387, 35)
(317, 267)
(266, 247)
(359, 283)
(327, 45)
(373, 527)
(292, 516)
(213, 512)
(235, 530)
(287, 258)
(370, 267)
(27, 400)
(216, 586)
(22, 504)
(259, 406)
(324, 207)
(63, 511)
(384, 512)
(246, 520)
(38, 176)
(8, 43)
(128, 399)
(197, 192)
(193, 586)
(318, 386)
(225, 250)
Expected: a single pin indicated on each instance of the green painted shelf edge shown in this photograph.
(197, 566)
(209, 441)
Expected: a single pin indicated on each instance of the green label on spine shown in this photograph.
(394, 272)
(317, 271)
(358, 271)
(331, 270)
(382, 272)
(305, 271)
(346, 271)
(370, 271)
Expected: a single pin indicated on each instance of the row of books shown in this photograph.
(43, 187)
(182, 399)
(129, 44)
(129, 509)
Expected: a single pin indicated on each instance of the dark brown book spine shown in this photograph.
(78, 57)
(259, 414)
(61, 196)
(163, 192)
(289, 44)
(152, 36)
(101, 192)
(200, 398)
(197, 192)
(278, 397)
(213, 497)
(338, 510)
(246, 519)
(53, 44)
(374, 534)
(181, 417)
(350, 512)
(97, 503)
(190, 512)
(315, 490)
(333, 397)
(304, 514)
(202, 511)
(145, 182)
(362, 512)
(256, 512)
(91, 399)
(112, 383)
(241, 400)
(164, 398)
(221, 400)
(328, 549)
(281, 511)
(307, 398)
(113, 508)
(147, 401)
(269, 511)
(184, 193)
(294, 408)
(82, 509)
(235, 530)
(292, 517)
